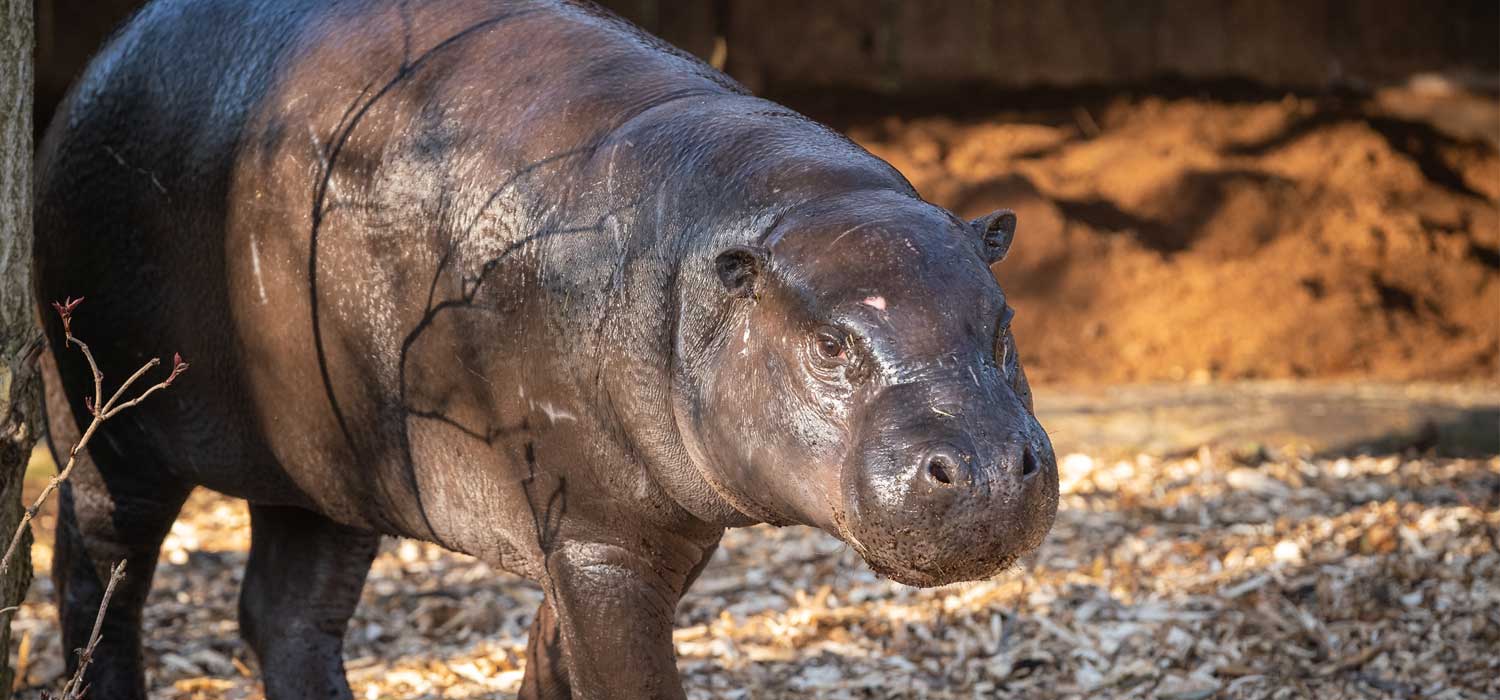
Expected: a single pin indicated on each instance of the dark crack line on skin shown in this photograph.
(547, 527)
(329, 158)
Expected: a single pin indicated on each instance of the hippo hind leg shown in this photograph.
(113, 508)
(300, 589)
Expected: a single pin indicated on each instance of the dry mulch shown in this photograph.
(1216, 575)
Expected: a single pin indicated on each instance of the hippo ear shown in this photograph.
(738, 267)
(996, 229)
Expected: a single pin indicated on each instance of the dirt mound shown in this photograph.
(1175, 238)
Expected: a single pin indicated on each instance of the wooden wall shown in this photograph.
(901, 45)
(917, 47)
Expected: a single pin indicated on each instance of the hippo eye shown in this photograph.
(831, 346)
(1003, 342)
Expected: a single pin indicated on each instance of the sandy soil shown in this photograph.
(1185, 238)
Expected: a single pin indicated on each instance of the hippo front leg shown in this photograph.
(605, 629)
(546, 671)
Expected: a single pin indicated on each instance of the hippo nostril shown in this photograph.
(940, 470)
(1029, 464)
(942, 467)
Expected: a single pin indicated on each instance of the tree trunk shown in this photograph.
(19, 336)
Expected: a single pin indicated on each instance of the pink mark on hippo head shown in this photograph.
(876, 302)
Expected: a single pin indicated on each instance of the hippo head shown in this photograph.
(860, 376)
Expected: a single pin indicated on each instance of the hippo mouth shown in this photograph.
(907, 574)
(927, 557)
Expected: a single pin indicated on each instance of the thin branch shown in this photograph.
(121, 391)
(100, 411)
(111, 411)
(24, 526)
(93, 367)
(75, 688)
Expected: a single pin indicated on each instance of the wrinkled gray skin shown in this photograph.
(517, 279)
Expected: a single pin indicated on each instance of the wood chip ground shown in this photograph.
(1217, 575)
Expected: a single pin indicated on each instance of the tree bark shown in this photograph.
(19, 336)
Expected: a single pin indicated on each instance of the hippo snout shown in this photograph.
(954, 494)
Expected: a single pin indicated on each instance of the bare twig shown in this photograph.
(75, 689)
(177, 367)
(100, 409)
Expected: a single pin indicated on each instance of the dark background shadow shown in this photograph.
(840, 59)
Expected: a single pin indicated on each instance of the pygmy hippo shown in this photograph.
(516, 278)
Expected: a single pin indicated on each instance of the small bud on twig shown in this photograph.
(65, 311)
(178, 367)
